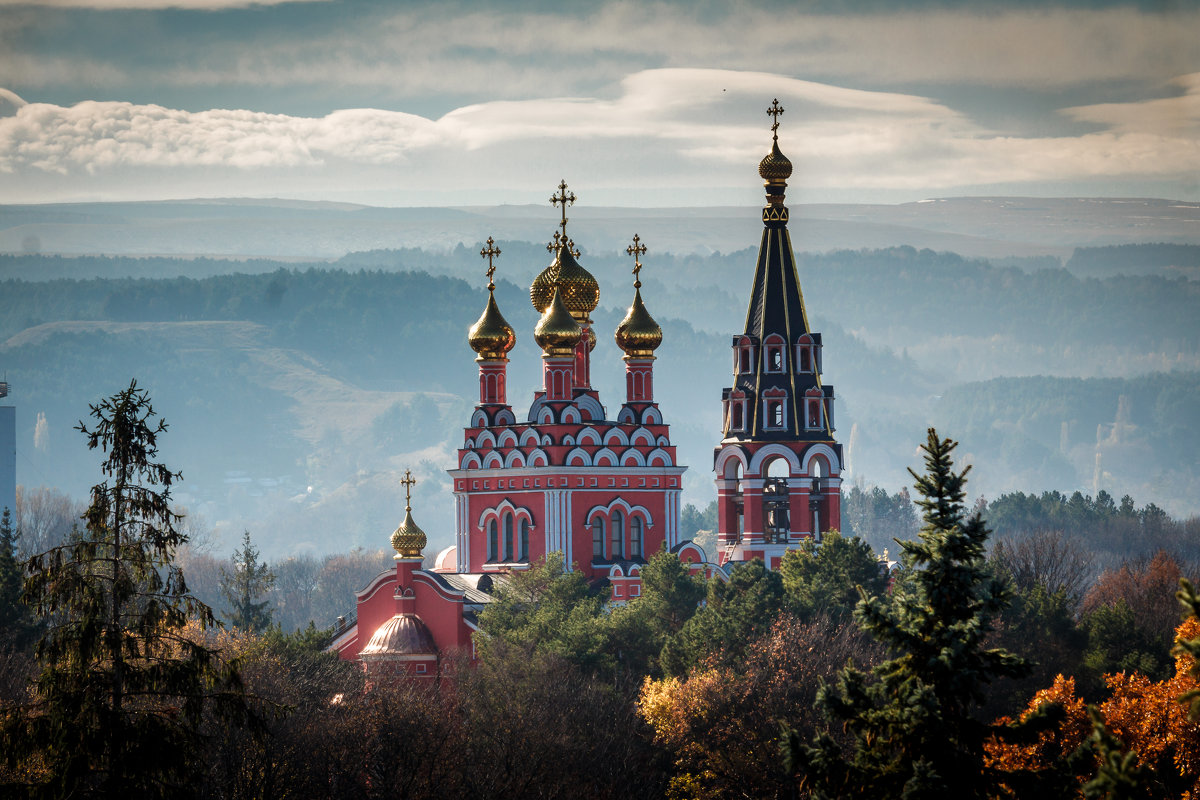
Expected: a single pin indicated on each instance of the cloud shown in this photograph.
(668, 129)
(126, 5)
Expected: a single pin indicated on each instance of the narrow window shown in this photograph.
(777, 414)
(737, 415)
(524, 540)
(745, 353)
(775, 359)
(805, 360)
(814, 414)
(491, 544)
(618, 535)
(508, 537)
(635, 538)
(598, 538)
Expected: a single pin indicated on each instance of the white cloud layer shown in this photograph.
(671, 129)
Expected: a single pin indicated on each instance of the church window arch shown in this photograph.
(523, 544)
(773, 353)
(492, 541)
(508, 537)
(637, 538)
(618, 535)
(598, 537)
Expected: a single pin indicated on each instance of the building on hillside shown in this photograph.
(565, 477)
(778, 466)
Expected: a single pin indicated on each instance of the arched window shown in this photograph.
(635, 538)
(805, 360)
(524, 548)
(737, 423)
(618, 535)
(491, 541)
(598, 537)
(745, 360)
(508, 537)
(777, 415)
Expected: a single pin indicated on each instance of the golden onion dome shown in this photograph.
(491, 336)
(580, 291)
(775, 168)
(591, 334)
(408, 540)
(557, 332)
(638, 334)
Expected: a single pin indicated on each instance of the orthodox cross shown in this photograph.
(571, 247)
(637, 250)
(490, 252)
(555, 244)
(566, 199)
(408, 481)
(774, 111)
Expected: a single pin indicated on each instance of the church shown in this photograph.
(563, 477)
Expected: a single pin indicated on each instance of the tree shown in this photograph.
(122, 690)
(735, 613)
(670, 597)
(16, 623)
(825, 578)
(241, 587)
(913, 728)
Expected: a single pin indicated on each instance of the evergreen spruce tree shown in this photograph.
(249, 580)
(16, 622)
(122, 691)
(913, 732)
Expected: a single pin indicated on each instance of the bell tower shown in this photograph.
(778, 465)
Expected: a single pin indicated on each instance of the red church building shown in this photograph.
(605, 492)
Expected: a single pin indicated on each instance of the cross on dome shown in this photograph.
(408, 481)
(566, 199)
(774, 111)
(490, 252)
(637, 250)
(555, 244)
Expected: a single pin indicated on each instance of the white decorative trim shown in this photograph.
(505, 416)
(514, 459)
(571, 416)
(507, 439)
(660, 455)
(618, 434)
(479, 419)
(591, 407)
(646, 436)
(589, 436)
(581, 453)
(485, 439)
(493, 461)
(470, 461)
(529, 438)
(605, 453)
(632, 458)
(774, 451)
(652, 416)
(822, 449)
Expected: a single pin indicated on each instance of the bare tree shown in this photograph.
(45, 518)
(1051, 559)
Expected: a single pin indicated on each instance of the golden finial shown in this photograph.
(571, 247)
(565, 199)
(774, 111)
(490, 252)
(555, 244)
(636, 250)
(408, 540)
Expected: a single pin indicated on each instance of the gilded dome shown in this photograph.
(775, 168)
(557, 332)
(408, 540)
(402, 635)
(580, 291)
(638, 334)
(491, 336)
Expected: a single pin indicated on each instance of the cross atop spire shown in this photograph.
(637, 250)
(566, 199)
(774, 111)
(490, 252)
(408, 481)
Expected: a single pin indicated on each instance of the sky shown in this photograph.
(386, 102)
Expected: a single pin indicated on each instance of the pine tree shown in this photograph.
(16, 622)
(249, 580)
(913, 730)
(122, 690)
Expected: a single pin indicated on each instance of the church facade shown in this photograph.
(562, 476)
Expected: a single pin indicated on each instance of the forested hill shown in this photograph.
(296, 393)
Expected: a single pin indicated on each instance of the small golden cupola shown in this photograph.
(775, 168)
(638, 335)
(408, 540)
(579, 289)
(491, 336)
(557, 332)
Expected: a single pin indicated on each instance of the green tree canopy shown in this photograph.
(825, 577)
(242, 587)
